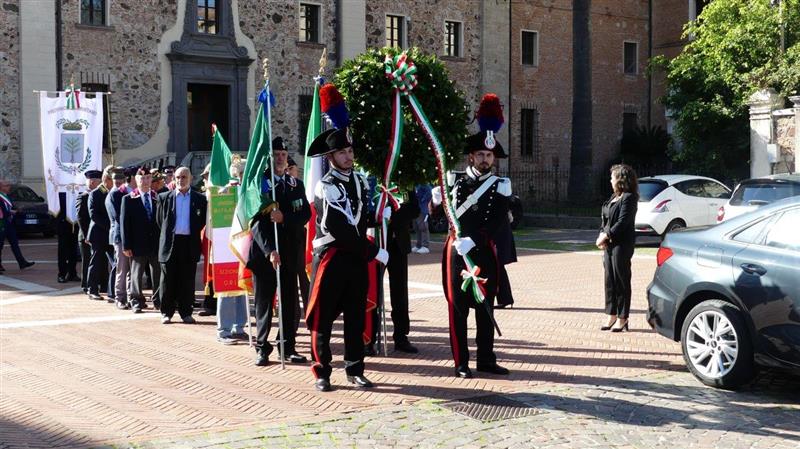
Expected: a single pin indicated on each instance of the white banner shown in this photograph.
(72, 143)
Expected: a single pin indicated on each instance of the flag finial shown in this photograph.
(265, 66)
(323, 61)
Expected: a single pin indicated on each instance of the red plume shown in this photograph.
(490, 113)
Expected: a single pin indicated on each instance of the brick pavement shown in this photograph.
(106, 378)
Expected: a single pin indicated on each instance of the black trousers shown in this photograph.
(86, 254)
(264, 287)
(504, 295)
(460, 302)
(100, 261)
(139, 264)
(67, 249)
(10, 234)
(398, 290)
(617, 265)
(178, 279)
(338, 285)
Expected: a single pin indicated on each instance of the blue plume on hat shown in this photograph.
(490, 113)
(333, 106)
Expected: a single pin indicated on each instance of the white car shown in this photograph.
(670, 202)
(750, 194)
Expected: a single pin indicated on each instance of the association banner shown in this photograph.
(225, 265)
(72, 143)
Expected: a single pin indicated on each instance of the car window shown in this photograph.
(752, 233)
(716, 190)
(22, 193)
(763, 191)
(692, 187)
(649, 189)
(784, 231)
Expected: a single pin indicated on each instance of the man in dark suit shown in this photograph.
(398, 243)
(180, 215)
(121, 261)
(293, 211)
(102, 257)
(82, 210)
(67, 243)
(140, 237)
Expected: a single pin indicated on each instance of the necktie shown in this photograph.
(147, 206)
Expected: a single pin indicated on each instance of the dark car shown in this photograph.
(32, 215)
(731, 294)
(437, 220)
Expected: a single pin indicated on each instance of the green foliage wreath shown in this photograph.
(362, 81)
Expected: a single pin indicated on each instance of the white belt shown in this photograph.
(324, 240)
(473, 199)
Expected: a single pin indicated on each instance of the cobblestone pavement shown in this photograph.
(80, 373)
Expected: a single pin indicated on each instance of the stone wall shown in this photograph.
(786, 136)
(126, 52)
(10, 152)
(426, 31)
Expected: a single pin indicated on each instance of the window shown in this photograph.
(93, 12)
(630, 121)
(716, 190)
(530, 48)
(696, 7)
(631, 58)
(309, 22)
(395, 31)
(783, 233)
(693, 187)
(96, 87)
(452, 38)
(752, 233)
(207, 16)
(304, 105)
(530, 132)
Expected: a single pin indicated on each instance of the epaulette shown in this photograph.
(504, 186)
(453, 176)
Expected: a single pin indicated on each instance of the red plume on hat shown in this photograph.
(490, 113)
(333, 106)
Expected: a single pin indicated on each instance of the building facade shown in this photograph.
(173, 67)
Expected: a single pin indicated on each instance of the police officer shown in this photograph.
(341, 252)
(481, 202)
(292, 211)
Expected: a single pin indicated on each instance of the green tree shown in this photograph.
(733, 50)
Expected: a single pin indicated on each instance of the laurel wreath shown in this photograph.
(74, 169)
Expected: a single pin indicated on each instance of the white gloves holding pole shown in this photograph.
(463, 245)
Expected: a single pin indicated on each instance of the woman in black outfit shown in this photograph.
(617, 238)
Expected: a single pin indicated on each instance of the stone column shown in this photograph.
(352, 30)
(495, 47)
(796, 150)
(761, 103)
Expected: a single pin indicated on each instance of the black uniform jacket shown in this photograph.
(100, 223)
(139, 234)
(82, 209)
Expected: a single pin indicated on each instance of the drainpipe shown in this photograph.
(510, 71)
(649, 58)
(337, 32)
(59, 55)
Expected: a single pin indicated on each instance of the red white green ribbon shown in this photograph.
(401, 72)
(73, 97)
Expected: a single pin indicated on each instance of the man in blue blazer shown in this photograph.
(102, 257)
(181, 216)
(139, 234)
(121, 261)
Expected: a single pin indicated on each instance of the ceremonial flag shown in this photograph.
(219, 173)
(312, 168)
(72, 143)
(249, 197)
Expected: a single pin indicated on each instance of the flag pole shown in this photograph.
(281, 339)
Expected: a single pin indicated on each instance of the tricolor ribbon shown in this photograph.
(471, 279)
(73, 97)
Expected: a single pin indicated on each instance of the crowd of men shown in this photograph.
(141, 229)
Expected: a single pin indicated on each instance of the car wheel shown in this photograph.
(716, 346)
(672, 226)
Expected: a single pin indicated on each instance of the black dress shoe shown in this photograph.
(27, 265)
(493, 368)
(262, 359)
(206, 313)
(295, 358)
(463, 372)
(406, 347)
(360, 381)
(95, 297)
(323, 384)
(61, 279)
(370, 350)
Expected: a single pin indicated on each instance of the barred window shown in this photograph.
(93, 12)
(395, 31)
(631, 58)
(452, 38)
(529, 135)
(207, 17)
(309, 22)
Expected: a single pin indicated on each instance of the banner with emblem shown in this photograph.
(72, 143)
(225, 264)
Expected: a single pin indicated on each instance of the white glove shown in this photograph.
(436, 196)
(463, 245)
(387, 213)
(382, 256)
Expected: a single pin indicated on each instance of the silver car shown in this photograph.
(731, 294)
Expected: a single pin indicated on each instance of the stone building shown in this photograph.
(173, 66)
